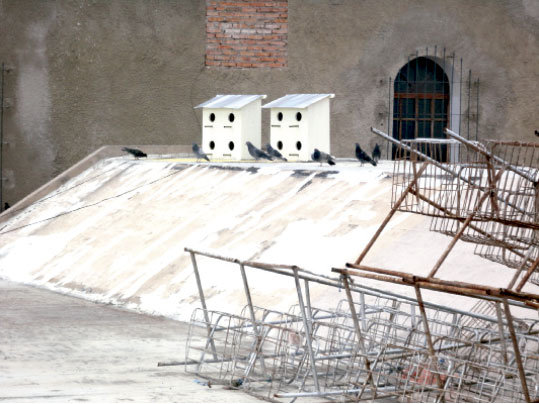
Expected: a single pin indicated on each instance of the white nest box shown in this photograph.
(228, 121)
(299, 124)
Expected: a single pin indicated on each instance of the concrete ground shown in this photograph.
(59, 348)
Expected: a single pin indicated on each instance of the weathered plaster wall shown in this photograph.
(89, 73)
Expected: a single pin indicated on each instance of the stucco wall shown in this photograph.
(89, 73)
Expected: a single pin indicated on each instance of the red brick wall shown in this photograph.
(246, 33)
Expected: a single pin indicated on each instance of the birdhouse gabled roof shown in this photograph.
(297, 100)
(230, 101)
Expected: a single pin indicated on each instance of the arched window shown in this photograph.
(421, 100)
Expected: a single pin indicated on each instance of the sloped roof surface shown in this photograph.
(297, 100)
(230, 101)
(116, 233)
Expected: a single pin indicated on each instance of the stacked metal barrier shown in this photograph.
(376, 345)
(495, 184)
(314, 354)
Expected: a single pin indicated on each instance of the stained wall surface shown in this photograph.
(87, 73)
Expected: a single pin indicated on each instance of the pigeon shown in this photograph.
(536, 132)
(322, 157)
(376, 153)
(135, 152)
(274, 153)
(199, 152)
(257, 154)
(363, 157)
(6, 206)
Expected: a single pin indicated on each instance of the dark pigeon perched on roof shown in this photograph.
(274, 153)
(363, 157)
(256, 153)
(135, 152)
(322, 157)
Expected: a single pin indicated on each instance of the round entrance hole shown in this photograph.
(212, 145)
(231, 117)
(280, 145)
(298, 145)
(280, 116)
(231, 145)
(298, 116)
(212, 117)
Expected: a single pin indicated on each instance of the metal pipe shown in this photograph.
(309, 308)
(325, 393)
(430, 345)
(486, 294)
(500, 331)
(488, 154)
(460, 94)
(394, 208)
(469, 97)
(203, 303)
(308, 329)
(413, 278)
(516, 351)
(390, 109)
(477, 114)
(253, 321)
(333, 282)
(359, 335)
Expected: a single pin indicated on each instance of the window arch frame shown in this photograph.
(422, 100)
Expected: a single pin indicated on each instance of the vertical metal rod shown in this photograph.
(460, 95)
(391, 213)
(477, 114)
(428, 85)
(516, 350)
(469, 99)
(452, 88)
(389, 112)
(500, 328)
(308, 301)
(362, 310)
(429, 338)
(361, 343)
(253, 321)
(445, 106)
(307, 328)
(416, 99)
(435, 84)
(2, 137)
(203, 303)
(248, 296)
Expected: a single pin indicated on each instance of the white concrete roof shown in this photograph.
(230, 101)
(297, 100)
(117, 232)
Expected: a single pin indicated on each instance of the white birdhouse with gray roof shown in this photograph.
(299, 124)
(228, 121)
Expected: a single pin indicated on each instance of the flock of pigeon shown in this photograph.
(269, 153)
